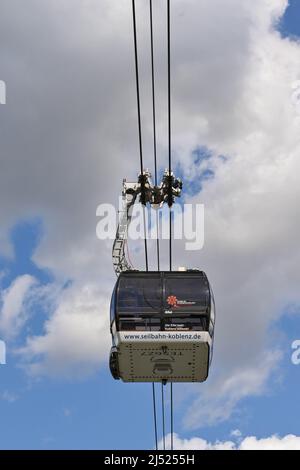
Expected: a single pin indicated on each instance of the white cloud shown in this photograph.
(76, 338)
(217, 399)
(289, 442)
(12, 313)
(196, 443)
(236, 433)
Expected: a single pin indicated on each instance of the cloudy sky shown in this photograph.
(68, 136)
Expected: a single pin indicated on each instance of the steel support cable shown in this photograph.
(145, 239)
(170, 171)
(142, 170)
(139, 114)
(153, 387)
(154, 124)
(155, 178)
(172, 446)
(163, 415)
(169, 85)
(169, 133)
(154, 415)
(137, 84)
(153, 94)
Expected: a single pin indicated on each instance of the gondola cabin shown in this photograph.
(162, 326)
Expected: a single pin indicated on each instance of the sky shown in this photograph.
(68, 136)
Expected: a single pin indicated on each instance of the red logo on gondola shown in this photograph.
(172, 301)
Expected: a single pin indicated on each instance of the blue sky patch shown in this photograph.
(193, 185)
(289, 26)
(25, 237)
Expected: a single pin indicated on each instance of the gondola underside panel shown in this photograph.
(154, 361)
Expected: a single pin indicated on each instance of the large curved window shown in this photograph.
(139, 295)
(152, 301)
(186, 294)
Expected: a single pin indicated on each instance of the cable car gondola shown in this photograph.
(162, 326)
